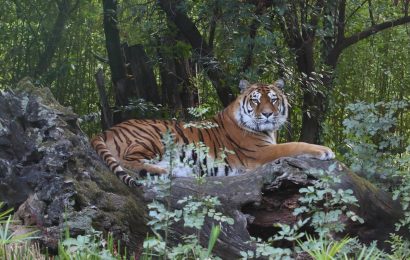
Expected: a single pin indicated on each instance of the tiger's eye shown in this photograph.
(255, 100)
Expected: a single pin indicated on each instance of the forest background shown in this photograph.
(345, 63)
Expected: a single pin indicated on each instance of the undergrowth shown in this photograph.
(374, 150)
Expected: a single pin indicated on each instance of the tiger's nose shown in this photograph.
(267, 114)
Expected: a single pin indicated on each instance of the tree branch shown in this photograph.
(261, 7)
(212, 27)
(200, 46)
(346, 42)
(341, 21)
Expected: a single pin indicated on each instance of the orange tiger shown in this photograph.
(246, 127)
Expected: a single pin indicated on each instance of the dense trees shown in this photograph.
(183, 53)
(345, 63)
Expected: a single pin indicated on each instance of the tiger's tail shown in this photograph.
(100, 146)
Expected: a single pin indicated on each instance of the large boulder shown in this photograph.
(53, 179)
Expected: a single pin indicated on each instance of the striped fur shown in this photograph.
(246, 127)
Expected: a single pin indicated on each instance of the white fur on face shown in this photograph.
(247, 118)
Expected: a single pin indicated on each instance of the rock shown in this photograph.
(52, 177)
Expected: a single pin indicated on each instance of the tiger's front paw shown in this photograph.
(327, 154)
(324, 153)
(319, 152)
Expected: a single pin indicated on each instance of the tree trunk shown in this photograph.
(116, 60)
(313, 109)
(106, 112)
(203, 52)
(144, 82)
(185, 72)
(54, 37)
(268, 195)
(169, 78)
(178, 92)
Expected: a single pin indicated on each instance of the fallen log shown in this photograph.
(258, 199)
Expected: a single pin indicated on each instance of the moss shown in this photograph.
(135, 215)
(25, 85)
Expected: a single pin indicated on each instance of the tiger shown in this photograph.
(247, 127)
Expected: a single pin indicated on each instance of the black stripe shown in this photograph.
(182, 156)
(117, 147)
(245, 155)
(213, 138)
(136, 156)
(127, 140)
(181, 133)
(100, 146)
(262, 145)
(152, 149)
(127, 130)
(194, 156)
(226, 170)
(105, 157)
(110, 164)
(237, 145)
(157, 130)
(142, 129)
(200, 136)
(116, 134)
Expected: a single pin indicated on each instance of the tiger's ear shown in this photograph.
(280, 84)
(243, 84)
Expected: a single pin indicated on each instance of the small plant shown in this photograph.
(265, 249)
(370, 252)
(322, 249)
(7, 237)
(90, 246)
(325, 204)
(400, 247)
(195, 209)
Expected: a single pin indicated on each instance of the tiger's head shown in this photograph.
(261, 107)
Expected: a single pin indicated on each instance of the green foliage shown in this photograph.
(400, 247)
(91, 246)
(194, 211)
(289, 233)
(10, 242)
(325, 204)
(264, 249)
(322, 208)
(322, 249)
(366, 253)
(402, 191)
(375, 147)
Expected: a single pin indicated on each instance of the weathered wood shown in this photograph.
(258, 199)
(106, 113)
(140, 66)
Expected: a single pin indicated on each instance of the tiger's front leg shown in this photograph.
(300, 149)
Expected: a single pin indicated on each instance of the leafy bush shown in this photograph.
(193, 213)
(11, 244)
(375, 148)
(91, 246)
